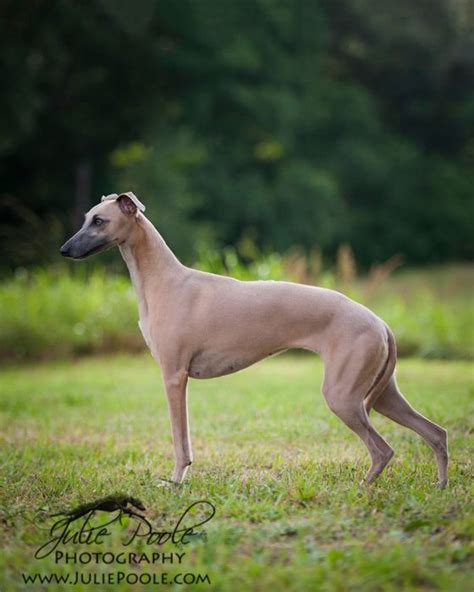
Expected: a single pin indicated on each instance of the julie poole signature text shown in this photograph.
(71, 530)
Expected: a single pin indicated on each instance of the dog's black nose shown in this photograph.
(64, 250)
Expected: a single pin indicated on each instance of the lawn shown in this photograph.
(281, 471)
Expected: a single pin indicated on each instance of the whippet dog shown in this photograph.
(201, 325)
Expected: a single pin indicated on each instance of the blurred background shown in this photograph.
(326, 141)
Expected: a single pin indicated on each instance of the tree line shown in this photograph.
(262, 122)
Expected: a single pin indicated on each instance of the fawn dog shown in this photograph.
(201, 325)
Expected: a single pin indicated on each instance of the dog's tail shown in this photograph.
(384, 375)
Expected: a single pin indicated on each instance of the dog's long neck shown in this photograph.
(151, 263)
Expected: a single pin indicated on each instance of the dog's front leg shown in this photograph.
(176, 392)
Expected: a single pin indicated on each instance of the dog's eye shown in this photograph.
(98, 221)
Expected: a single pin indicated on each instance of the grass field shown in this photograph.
(281, 471)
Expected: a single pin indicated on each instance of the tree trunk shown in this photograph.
(82, 193)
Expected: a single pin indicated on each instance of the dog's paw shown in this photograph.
(163, 482)
(442, 484)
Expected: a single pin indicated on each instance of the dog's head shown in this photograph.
(106, 225)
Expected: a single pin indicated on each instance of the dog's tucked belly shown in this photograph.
(211, 364)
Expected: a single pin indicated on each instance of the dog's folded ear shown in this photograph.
(128, 202)
(134, 199)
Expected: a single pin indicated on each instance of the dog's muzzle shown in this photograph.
(81, 246)
(64, 250)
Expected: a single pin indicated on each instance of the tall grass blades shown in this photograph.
(57, 313)
(50, 314)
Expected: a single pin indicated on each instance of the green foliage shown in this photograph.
(162, 174)
(299, 123)
(282, 471)
(50, 313)
(61, 313)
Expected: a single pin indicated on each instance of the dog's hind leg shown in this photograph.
(393, 405)
(348, 378)
(353, 413)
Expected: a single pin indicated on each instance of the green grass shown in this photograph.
(282, 472)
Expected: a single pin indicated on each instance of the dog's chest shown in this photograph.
(149, 341)
(145, 333)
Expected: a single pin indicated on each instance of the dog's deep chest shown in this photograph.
(146, 335)
(211, 364)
